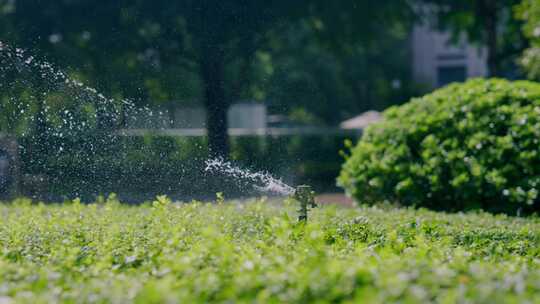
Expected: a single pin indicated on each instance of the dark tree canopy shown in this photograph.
(182, 50)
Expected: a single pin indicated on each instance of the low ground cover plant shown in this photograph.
(163, 252)
(466, 146)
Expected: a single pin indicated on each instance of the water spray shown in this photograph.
(306, 197)
(264, 182)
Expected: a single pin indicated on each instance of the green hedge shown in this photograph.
(139, 167)
(465, 146)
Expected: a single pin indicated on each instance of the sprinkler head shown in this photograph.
(306, 197)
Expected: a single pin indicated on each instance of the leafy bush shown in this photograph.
(140, 167)
(466, 146)
(529, 12)
(256, 252)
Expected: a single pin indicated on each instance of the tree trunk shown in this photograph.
(41, 137)
(212, 72)
(488, 8)
(105, 121)
(41, 124)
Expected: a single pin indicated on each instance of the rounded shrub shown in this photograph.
(465, 146)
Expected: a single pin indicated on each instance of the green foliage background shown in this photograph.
(529, 12)
(310, 54)
(138, 167)
(466, 146)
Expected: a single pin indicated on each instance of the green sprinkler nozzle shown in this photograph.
(306, 197)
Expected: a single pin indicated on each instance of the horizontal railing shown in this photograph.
(245, 132)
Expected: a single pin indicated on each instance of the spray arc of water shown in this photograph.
(62, 117)
(51, 79)
(261, 181)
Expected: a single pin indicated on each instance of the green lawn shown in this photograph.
(256, 252)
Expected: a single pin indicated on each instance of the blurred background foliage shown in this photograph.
(309, 55)
(529, 12)
(136, 168)
(315, 61)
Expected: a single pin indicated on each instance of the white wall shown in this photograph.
(432, 49)
(141, 118)
(247, 116)
(189, 118)
(240, 115)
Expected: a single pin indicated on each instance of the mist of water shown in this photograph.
(45, 79)
(58, 116)
(61, 104)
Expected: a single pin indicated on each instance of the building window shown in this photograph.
(449, 74)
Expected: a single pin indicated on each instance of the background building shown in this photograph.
(242, 115)
(437, 61)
